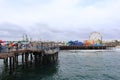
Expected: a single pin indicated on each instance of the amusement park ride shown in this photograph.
(26, 38)
(93, 43)
(96, 37)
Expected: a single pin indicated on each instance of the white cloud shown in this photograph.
(60, 11)
(63, 15)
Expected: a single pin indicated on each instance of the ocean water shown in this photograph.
(72, 65)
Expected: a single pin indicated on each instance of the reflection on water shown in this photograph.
(73, 65)
(31, 73)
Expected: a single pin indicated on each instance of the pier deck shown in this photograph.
(28, 56)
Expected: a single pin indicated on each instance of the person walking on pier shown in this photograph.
(9, 47)
(16, 46)
(0, 47)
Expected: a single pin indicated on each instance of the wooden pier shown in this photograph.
(29, 57)
(84, 47)
(36, 56)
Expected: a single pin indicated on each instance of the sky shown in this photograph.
(59, 20)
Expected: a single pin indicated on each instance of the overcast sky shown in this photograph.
(59, 19)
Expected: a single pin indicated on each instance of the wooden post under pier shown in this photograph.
(26, 59)
(10, 65)
(6, 62)
(23, 59)
(31, 58)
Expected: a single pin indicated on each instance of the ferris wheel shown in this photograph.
(95, 36)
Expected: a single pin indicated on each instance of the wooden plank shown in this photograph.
(6, 55)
